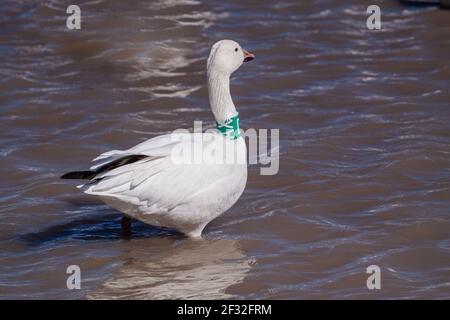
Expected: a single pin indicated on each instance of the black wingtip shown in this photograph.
(78, 175)
(107, 167)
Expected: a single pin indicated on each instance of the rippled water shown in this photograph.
(364, 140)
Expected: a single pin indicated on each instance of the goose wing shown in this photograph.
(155, 180)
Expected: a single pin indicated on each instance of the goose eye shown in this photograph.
(236, 49)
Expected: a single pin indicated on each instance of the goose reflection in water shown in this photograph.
(194, 270)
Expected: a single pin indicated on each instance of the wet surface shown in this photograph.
(364, 148)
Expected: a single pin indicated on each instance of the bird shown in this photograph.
(181, 180)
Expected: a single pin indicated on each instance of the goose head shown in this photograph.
(227, 56)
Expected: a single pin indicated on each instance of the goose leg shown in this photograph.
(126, 226)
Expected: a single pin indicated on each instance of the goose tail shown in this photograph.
(79, 175)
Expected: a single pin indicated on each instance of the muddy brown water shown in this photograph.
(364, 148)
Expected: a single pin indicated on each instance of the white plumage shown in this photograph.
(160, 186)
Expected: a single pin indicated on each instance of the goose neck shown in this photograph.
(220, 99)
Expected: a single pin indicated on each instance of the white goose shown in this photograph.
(146, 182)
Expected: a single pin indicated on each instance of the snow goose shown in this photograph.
(152, 181)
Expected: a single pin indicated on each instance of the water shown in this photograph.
(364, 140)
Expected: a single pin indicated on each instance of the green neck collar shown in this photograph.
(230, 127)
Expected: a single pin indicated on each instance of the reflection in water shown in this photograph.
(194, 270)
